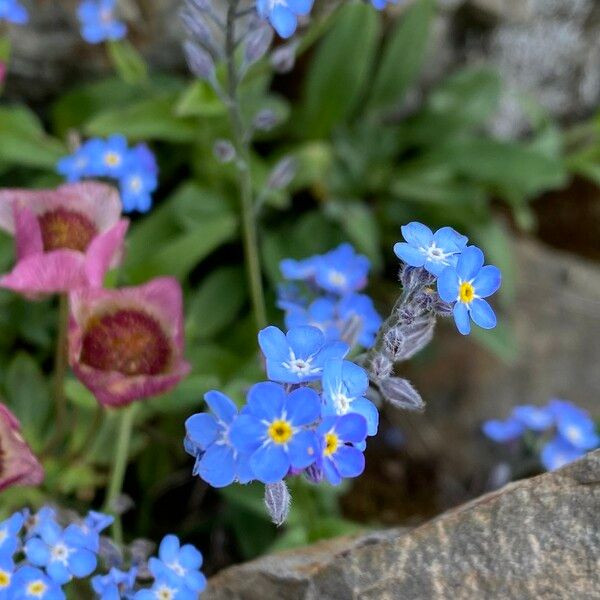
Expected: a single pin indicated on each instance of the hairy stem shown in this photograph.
(241, 143)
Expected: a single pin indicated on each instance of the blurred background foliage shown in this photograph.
(368, 161)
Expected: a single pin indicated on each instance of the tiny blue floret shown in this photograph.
(98, 21)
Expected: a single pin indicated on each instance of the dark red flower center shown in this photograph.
(128, 341)
(66, 229)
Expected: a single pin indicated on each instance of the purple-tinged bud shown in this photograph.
(401, 394)
(265, 120)
(380, 367)
(284, 58)
(199, 61)
(283, 173)
(197, 27)
(417, 335)
(393, 343)
(415, 277)
(224, 151)
(314, 473)
(277, 501)
(258, 43)
(442, 309)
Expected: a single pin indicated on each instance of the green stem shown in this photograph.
(240, 140)
(118, 472)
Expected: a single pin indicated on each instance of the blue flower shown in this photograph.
(342, 271)
(115, 584)
(166, 587)
(574, 425)
(339, 458)
(533, 417)
(83, 162)
(283, 14)
(321, 313)
(63, 553)
(272, 429)
(92, 526)
(111, 157)
(301, 270)
(434, 251)
(381, 4)
(360, 306)
(35, 522)
(9, 531)
(7, 571)
(217, 461)
(344, 387)
(137, 184)
(503, 431)
(31, 583)
(466, 285)
(98, 21)
(13, 12)
(298, 356)
(558, 452)
(179, 564)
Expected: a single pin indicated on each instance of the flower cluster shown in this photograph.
(39, 557)
(134, 169)
(13, 12)
(560, 431)
(311, 418)
(98, 21)
(323, 291)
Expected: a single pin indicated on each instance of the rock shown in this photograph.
(534, 539)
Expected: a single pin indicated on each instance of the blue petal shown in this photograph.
(266, 400)
(331, 473)
(450, 240)
(273, 344)
(195, 581)
(447, 284)
(305, 341)
(190, 557)
(469, 263)
(168, 550)
(223, 407)
(300, 7)
(82, 562)
(488, 281)
(417, 234)
(558, 452)
(202, 429)
(247, 433)
(270, 463)
(461, 318)
(482, 314)
(58, 572)
(503, 431)
(365, 408)
(533, 417)
(355, 379)
(302, 449)
(303, 406)
(284, 21)
(350, 462)
(332, 350)
(409, 254)
(37, 552)
(217, 466)
(351, 427)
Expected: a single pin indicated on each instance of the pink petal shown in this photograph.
(28, 235)
(105, 252)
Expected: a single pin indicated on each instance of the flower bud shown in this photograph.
(380, 367)
(277, 501)
(284, 58)
(283, 173)
(197, 27)
(224, 151)
(199, 60)
(258, 43)
(393, 343)
(265, 120)
(401, 394)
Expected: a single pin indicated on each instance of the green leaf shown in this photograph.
(217, 302)
(149, 119)
(199, 100)
(23, 141)
(128, 62)
(185, 398)
(339, 71)
(28, 397)
(403, 56)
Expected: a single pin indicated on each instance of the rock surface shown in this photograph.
(534, 539)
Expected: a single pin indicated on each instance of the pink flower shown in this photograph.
(18, 465)
(66, 239)
(127, 344)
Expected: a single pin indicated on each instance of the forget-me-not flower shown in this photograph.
(433, 251)
(360, 306)
(299, 355)
(466, 286)
(30, 583)
(273, 429)
(207, 436)
(9, 532)
(342, 270)
(299, 270)
(115, 584)
(13, 12)
(558, 452)
(535, 418)
(98, 21)
(283, 14)
(574, 424)
(7, 571)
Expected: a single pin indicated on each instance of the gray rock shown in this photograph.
(534, 539)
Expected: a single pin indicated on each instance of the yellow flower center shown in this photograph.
(36, 588)
(4, 579)
(112, 159)
(280, 431)
(466, 292)
(332, 443)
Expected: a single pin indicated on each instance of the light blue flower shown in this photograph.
(83, 162)
(466, 286)
(342, 271)
(273, 430)
(92, 526)
(558, 452)
(503, 431)
(98, 21)
(217, 461)
(136, 185)
(9, 534)
(13, 12)
(283, 14)
(7, 571)
(339, 458)
(34, 523)
(344, 387)
(360, 306)
(30, 583)
(167, 587)
(115, 584)
(180, 564)
(298, 356)
(574, 424)
(63, 553)
(433, 251)
(111, 158)
(533, 417)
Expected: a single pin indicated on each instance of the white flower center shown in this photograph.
(177, 568)
(300, 366)
(135, 183)
(435, 254)
(165, 593)
(573, 434)
(60, 553)
(342, 403)
(337, 278)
